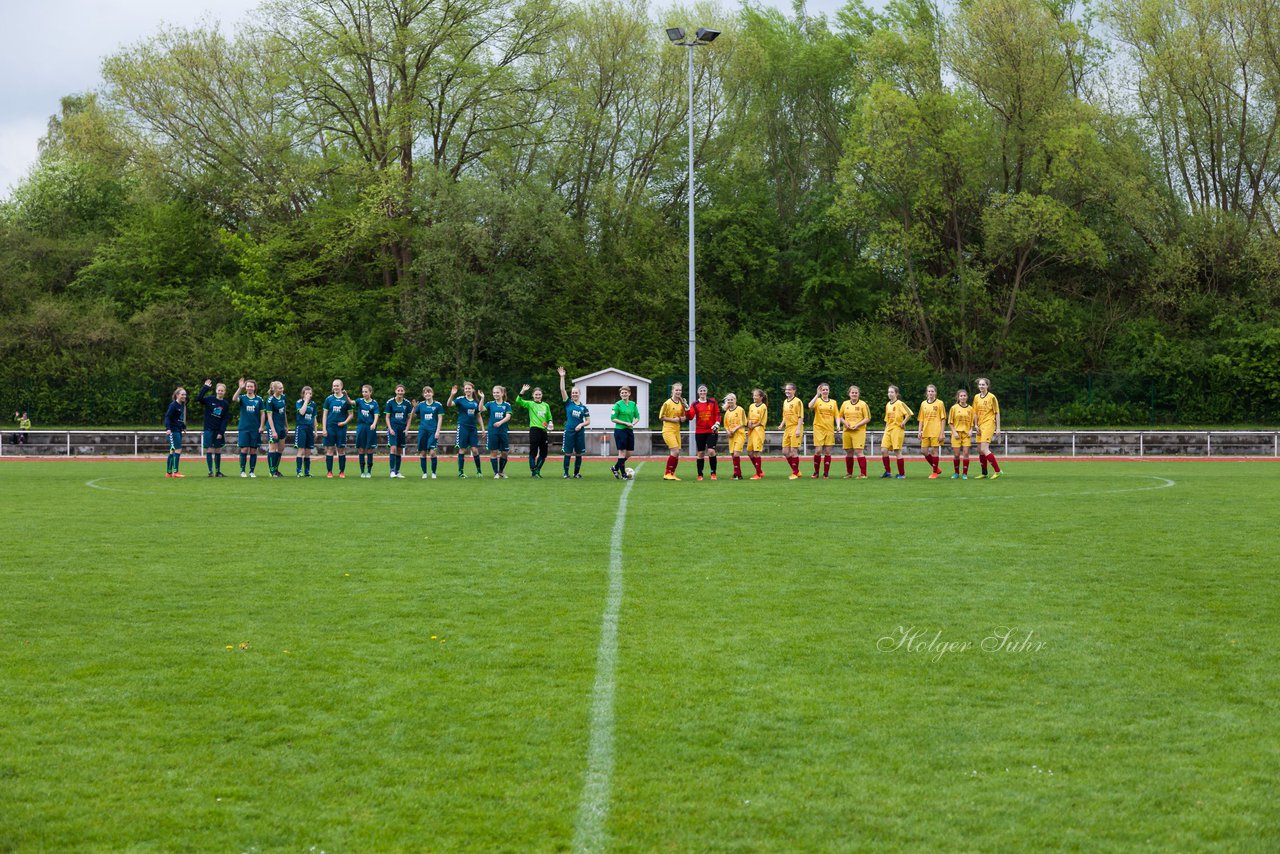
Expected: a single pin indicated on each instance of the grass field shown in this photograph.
(379, 665)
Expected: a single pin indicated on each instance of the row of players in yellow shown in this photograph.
(969, 424)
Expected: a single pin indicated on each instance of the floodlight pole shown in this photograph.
(701, 38)
(692, 391)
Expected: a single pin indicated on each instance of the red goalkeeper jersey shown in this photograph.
(704, 415)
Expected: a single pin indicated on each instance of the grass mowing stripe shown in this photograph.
(593, 809)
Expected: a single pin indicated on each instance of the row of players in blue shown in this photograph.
(329, 423)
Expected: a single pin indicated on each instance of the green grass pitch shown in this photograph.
(384, 665)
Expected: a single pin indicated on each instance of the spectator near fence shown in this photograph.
(24, 424)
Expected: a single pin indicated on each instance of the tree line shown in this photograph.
(427, 189)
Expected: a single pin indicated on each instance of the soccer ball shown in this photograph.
(631, 473)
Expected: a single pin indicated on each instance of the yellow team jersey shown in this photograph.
(733, 419)
(792, 412)
(792, 420)
(758, 413)
(896, 415)
(671, 409)
(961, 419)
(824, 415)
(671, 431)
(986, 408)
(852, 413)
(931, 418)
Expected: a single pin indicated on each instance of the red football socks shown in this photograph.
(817, 463)
(848, 465)
(862, 465)
(886, 464)
(902, 466)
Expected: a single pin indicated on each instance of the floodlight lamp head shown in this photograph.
(707, 36)
(676, 34)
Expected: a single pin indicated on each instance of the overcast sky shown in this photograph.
(54, 48)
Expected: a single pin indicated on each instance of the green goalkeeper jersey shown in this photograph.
(539, 412)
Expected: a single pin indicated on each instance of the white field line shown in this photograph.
(593, 809)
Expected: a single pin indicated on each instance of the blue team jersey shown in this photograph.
(428, 416)
(306, 415)
(217, 412)
(175, 417)
(276, 409)
(397, 413)
(467, 410)
(336, 410)
(574, 414)
(250, 412)
(498, 411)
(366, 411)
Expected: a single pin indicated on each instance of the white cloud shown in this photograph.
(56, 48)
(18, 140)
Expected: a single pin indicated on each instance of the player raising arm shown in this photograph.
(960, 420)
(468, 431)
(855, 415)
(217, 412)
(576, 420)
(249, 427)
(986, 410)
(539, 424)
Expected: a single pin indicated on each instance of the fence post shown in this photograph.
(1006, 443)
(1026, 401)
(1140, 445)
(135, 442)
(1277, 444)
(68, 443)
(1208, 444)
(1073, 443)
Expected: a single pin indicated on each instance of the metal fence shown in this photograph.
(1060, 443)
